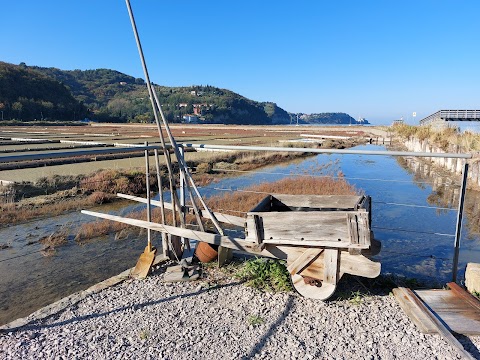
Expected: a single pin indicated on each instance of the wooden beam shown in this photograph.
(225, 218)
(331, 268)
(303, 260)
(464, 295)
(226, 241)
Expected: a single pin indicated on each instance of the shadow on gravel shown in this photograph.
(468, 345)
(123, 308)
(263, 340)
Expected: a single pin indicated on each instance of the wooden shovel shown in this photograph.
(144, 262)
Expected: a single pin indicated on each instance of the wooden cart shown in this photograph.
(321, 237)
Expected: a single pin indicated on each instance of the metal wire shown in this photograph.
(323, 176)
(413, 231)
(414, 206)
(416, 255)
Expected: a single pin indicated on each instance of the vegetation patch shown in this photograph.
(448, 139)
(255, 320)
(265, 274)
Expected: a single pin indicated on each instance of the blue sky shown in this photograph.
(374, 59)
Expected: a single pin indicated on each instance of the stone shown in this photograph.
(472, 277)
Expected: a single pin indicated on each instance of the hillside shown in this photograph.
(330, 118)
(28, 95)
(113, 96)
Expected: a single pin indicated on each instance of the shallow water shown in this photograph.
(415, 247)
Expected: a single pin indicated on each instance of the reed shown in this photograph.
(443, 138)
(243, 201)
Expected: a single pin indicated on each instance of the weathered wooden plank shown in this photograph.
(316, 243)
(352, 227)
(328, 225)
(301, 262)
(339, 202)
(413, 311)
(331, 268)
(364, 232)
(224, 254)
(225, 218)
(456, 311)
(358, 265)
(461, 293)
(227, 241)
(258, 224)
(441, 328)
(349, 264)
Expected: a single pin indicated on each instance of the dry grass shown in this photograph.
(443, 138)
(232, 203)
(305, 185)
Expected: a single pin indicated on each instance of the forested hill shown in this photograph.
(108, 95)
(26, 94)
(331, 118)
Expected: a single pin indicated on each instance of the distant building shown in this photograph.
(198, 109)
(123, 83)
(398, 122)
(190, 119)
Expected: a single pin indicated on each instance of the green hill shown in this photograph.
(113, 96)
(28, 95)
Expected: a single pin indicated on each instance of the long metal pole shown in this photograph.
(154, 101)
(327, 151)
(458, 231)
(154, 108)
(184, 168)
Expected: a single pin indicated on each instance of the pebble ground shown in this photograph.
(218, 317)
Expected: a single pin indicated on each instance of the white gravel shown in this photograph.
(219, 318)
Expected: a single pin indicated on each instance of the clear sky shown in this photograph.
(375, 59)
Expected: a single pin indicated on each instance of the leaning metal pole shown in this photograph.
(155, 106)
(458, 231)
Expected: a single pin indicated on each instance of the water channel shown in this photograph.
(417, 238)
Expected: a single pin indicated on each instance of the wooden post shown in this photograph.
(149, 207)
(459, 222)
(186, 242)
(162, 205)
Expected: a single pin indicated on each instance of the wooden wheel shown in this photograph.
(312, 288)
(314, 271)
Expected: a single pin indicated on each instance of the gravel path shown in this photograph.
(220, 318)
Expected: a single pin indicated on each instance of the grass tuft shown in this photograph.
(255, 320)
(265, 274)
